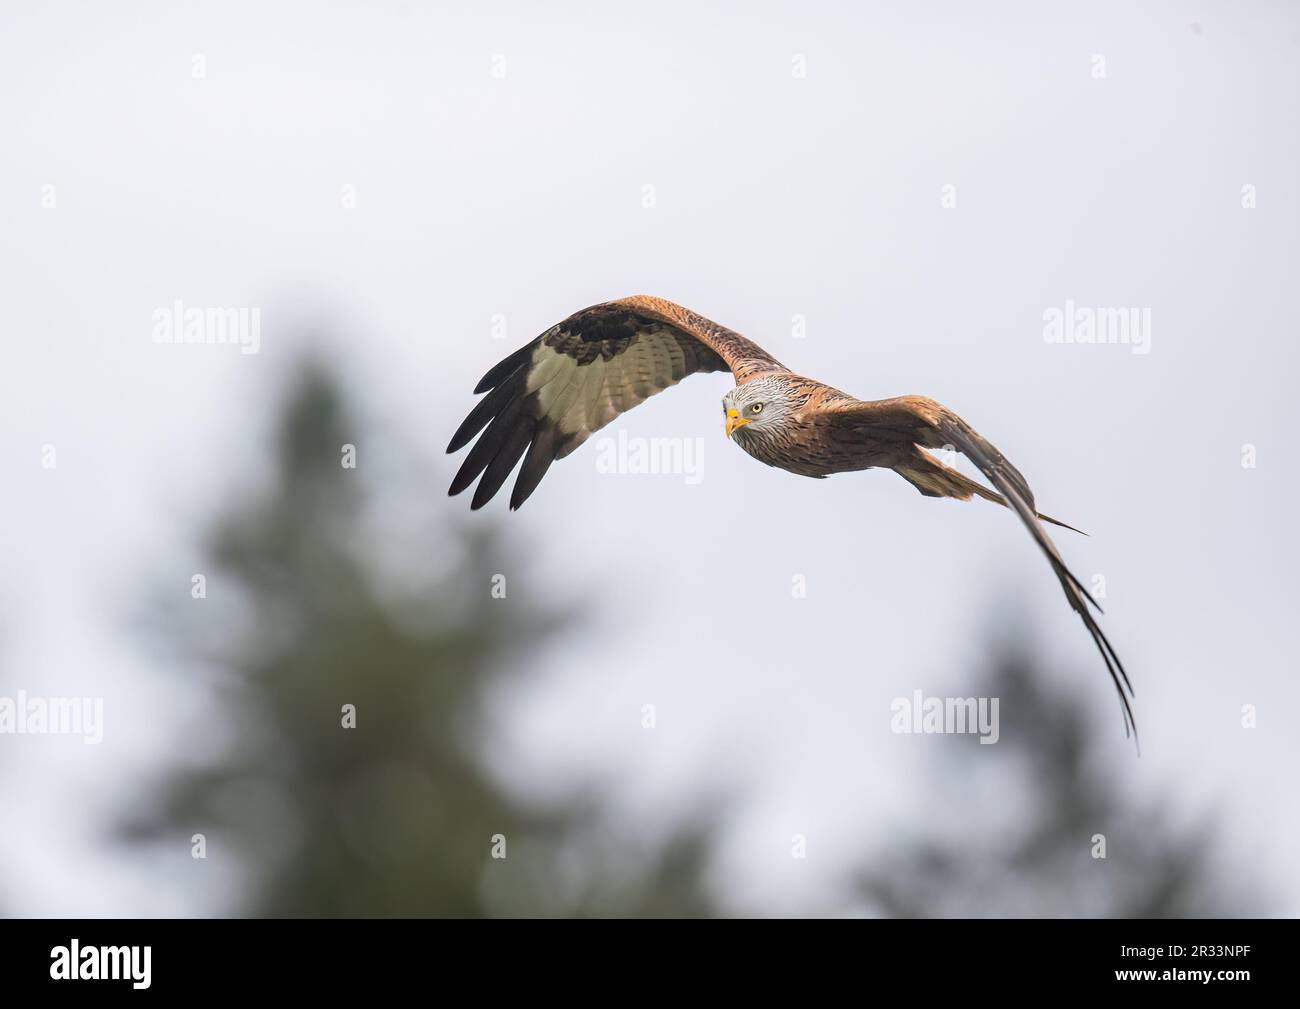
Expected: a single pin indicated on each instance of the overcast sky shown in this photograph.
(888, 198)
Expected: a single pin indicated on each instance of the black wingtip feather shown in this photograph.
(541, 453)
(1082, 591)
(1126, 708)
(503, 369)
(494, 403)
(487, 447)
(516, 441)
(1006, 478)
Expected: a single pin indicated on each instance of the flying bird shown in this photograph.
(547, 398)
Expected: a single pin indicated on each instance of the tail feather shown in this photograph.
(935, 479)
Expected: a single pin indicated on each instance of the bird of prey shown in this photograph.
(547, 398)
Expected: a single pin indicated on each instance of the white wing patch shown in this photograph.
(582, 398)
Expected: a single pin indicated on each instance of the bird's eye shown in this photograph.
(756, 408)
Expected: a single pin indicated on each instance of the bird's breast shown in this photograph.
(783, 449)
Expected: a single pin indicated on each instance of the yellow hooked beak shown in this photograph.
(735, 420)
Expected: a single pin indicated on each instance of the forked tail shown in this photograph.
(935, 479)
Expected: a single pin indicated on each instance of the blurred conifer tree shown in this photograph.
(1048, 768)
(397, 816)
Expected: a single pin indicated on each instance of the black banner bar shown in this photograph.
(232, 957)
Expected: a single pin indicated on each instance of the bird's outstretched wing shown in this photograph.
(911, 421)
(547, 398)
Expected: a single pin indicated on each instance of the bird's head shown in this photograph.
(755, 406)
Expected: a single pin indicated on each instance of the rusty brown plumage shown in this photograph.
(547, 398)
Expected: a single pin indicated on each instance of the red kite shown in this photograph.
(547, 398)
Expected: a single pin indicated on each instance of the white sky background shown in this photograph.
(776, 196)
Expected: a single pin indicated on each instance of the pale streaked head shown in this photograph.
(756, 405)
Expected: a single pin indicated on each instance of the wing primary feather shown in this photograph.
(502, 370)
(486, 448)
(487, 408)
(1011, 483)
(1108, 654)
(503, 462)
(541, 453)
(1079, 599)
